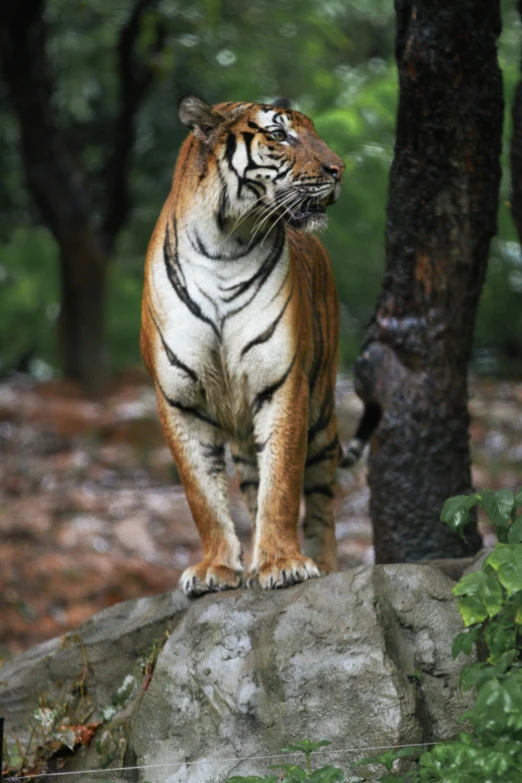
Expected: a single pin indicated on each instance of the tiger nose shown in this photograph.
(333, 170)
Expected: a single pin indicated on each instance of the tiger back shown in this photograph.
(240, 325)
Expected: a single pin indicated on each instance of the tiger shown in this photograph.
(240, 324)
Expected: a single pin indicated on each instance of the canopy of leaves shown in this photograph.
(334, 59)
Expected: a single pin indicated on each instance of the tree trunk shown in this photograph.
(82, 317)
(84, 236)
(442, 209)
(57, 187)
(516, 156)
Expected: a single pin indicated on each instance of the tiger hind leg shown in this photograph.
(245, 461)
(319, 481)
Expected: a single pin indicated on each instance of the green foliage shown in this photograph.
(293, 773)
(29, 300)
(335, 60)
(490, 602)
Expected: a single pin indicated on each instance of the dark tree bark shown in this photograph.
(84, 237)
(516, 155)
(442, 208)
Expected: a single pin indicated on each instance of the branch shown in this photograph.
(136, 78)
(53, 178)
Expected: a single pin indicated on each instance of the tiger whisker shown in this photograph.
(284, 204)
(285, 211)
(249, 209)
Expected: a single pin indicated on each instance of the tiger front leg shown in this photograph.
(197, 446)
(281, 429)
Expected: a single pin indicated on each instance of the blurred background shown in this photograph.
(91, 511)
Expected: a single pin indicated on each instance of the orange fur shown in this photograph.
(225, 398)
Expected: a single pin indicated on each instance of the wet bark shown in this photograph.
(442, 207)
(85, 232)
(516, 155)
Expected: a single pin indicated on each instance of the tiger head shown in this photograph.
(268, 161)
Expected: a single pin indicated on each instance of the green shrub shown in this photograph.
(490, 602)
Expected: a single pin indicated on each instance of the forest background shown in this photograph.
(91, 508)
(334, 59)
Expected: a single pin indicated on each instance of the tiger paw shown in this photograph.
(209, 578)
(282, 572)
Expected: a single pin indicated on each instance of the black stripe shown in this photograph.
(325, 416)
(171, 356)
(215, 470)
(223, 208)
(327, 452)
(261, 446)
(186, 408)
(215, 453)
(269, 331)
(238, 460)
(282, 173)
(177, 278)
(252, 165)
(213, 450)
(320, 489)
(230, 148)
(247, 484)
(268, 392)
(320, 354)
(260, 277)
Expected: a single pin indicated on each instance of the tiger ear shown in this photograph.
(199, 116)
(282, 103)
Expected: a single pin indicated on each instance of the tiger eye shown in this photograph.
(279, 135)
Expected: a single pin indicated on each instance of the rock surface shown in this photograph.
(361, 658)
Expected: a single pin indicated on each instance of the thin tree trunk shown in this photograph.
(57, 187)
(516, 156)
(441, 216)
(85, 237)
(82, 317)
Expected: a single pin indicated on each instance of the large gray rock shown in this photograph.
(362, 658)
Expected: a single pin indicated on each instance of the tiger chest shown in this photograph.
(224, 334)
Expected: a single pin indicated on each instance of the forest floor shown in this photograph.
(92, 511)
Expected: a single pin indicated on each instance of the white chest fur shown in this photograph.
(215, 306)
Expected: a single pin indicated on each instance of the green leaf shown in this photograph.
(510, 576)
(464, 642)
(492, 596)
(515, 531)
(293, 771)
(252, 779)
(475, 675)
(327, 774)
(472, 610)
(306, 746)
(507, 561)
(386, 759)
(501, 555)
(483, 597)
(471, 584)
(407, 752)
(497, 505)
(455, 512)
(500, 636)
(491, 708)
(518, 498)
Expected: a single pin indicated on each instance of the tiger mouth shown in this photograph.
(308, 210)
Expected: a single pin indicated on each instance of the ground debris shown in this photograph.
(93, 513)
